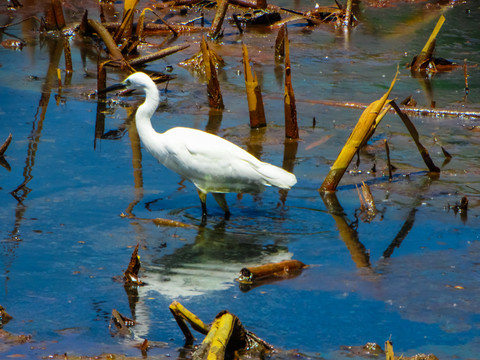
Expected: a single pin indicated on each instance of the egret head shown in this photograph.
(138, 80)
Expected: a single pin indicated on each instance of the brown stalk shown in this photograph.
(222, 6)
(389, 165)
(54, 19)
(175, 32)
(126, 28)
(101, 80)
(213, 86)
(68, 56)
(291, 126)
(254, 94)
(113, 50)
(465, 74)
(157, 55)
(280, 269)
(368, 120)
(156, 29)
(5, 145)
(131, 274)
(414, 134)
(280, 42)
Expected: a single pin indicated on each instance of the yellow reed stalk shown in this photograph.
(221, 337)
(182, 312)
(434, 34)
(389, 355)
(360, 134)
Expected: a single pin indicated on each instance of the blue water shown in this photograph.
(64, 243)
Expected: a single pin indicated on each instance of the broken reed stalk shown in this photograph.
(157, 55)
(54, 19)
(280, 42)
(5, 145)
(427, 51)
(254, 94)
(181, 315)
(360, 133)
(126, 27)
(101, 80)
(291, 126)
(113, 50)
(213, 86)
(282, 268)
(131, 274)
(414, 134)
(68, 56)
(222, 6)
(465, 74)
(389, 165)
(389, 354)
(348, 14)
(222, 335)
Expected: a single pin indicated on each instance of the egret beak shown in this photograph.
(119, 86)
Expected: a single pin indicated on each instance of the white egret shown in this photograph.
(213, 164)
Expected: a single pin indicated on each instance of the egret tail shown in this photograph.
(276, 176)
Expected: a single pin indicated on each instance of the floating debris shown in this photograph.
(224, 337)
(4, 316)
(425, 62)
(131, 274)
(369, 350)
(283, 270)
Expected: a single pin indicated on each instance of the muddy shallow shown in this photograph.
(63, 240)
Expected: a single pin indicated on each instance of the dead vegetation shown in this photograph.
(120, 52)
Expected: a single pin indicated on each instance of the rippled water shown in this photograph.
(63, 241)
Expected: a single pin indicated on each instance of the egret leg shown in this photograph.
(220, 199)
(203, 200)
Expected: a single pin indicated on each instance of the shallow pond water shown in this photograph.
(64, 243)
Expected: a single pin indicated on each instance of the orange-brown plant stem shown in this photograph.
(291, 126)
(157, 55)
(222, 6)
(389, 165)
(213, 86)
(254, 94)
(281, 268)
(115, 53)
(5, 145)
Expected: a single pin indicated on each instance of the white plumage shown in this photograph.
(210, 162)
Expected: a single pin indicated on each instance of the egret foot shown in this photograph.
(220, 199)
(203, 200)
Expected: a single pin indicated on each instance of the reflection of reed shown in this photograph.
(56, 49)
(215, 117)
(21, 192)
(347, 232)
(136, 162)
